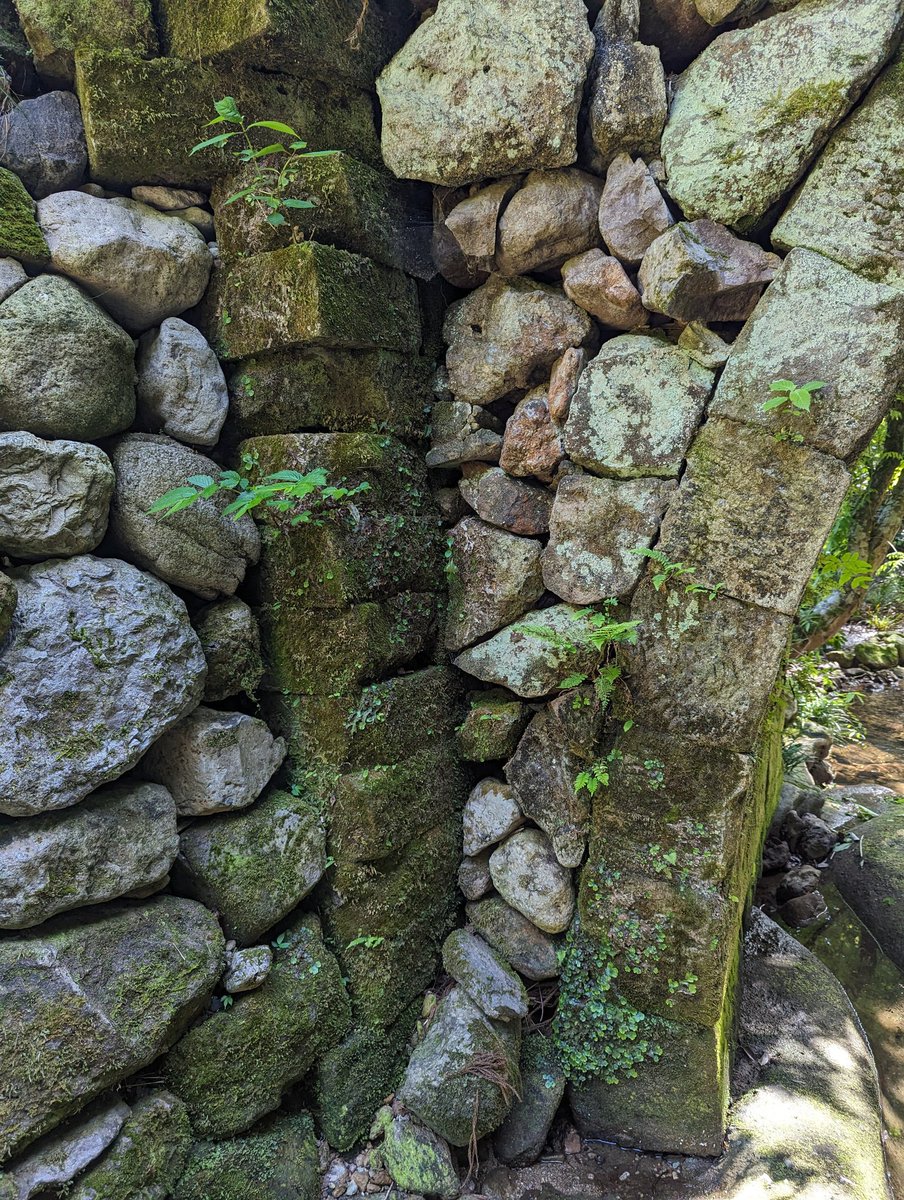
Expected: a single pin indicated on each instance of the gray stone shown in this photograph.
(418, 1161)
(491, 813)
(474, 877)
(495, 577)
(12, 276)
(600, 285)
(837, 318)
(247, 969)
(472, 226)
(231, 642)
(563, 382)
(8, 599)
(532, 444)
(87, 1004)
(199, 548)
(522, 1136)
(636, 408)
(181, 387)
(526, 948)
(140, 264)
(797, 882)
(461, 433)
(214, 761)
(43, 141)
(699, 271)
(739, 135)
(506, 335)
(594, 527)
(253, 866)
(706, 347)
(626, 99)
(444, 1076)
(503, 86)
(58, 1157)
(66, 369)
(553, 216)
(509, 503)
(530, 878)
(533, 656)
(167, 199)
(121, 839)
(101, 660)
(870, 877)
(201, 218)
(479, 970)
(632, 211)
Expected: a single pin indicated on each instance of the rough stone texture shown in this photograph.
(699, 271)
(167, 199)
(553, 216)
(140, 264)
(522, 1136)
(101, 660)
(530, 878)
(8, 600)
(474, 879)
(121, 839)
(20, 235)
(506, 335)
(198, 549)
(462, 433)
(848, 207)
(58, 1157)
(55, 31)
(633, 212)
(247, 969)
(526, 948)
(214, 761)
(54, 496)
(231, 643)
(43, 142)
(738, 137)
(494, 578)
(12, 276)
(600, 285)
(465, 236)
(626, 103)
(277, 1160)
(705, 346)
(232, 1070)
(88, 1004)
(491, 813)
(563, 382)
(636, 408)
(494, 722)
(253, 867)
(441, 1082)
(872, 882)
(492, 985)
(59, 346)
(818, 321)
(594, 527)
(718, 509)
(532, 444)
(506, 502)
(532, 657)
(181, 388)
(493, 111)
(418, 1161)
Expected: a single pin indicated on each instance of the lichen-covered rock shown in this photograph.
(525, 947)
(522, 1136)
(838, 318)
(89, 1003)
(43, 142)
(20, 235)
(255, 866)
(247, 969)
(101, 660)
(55, 1160)
(199, 548)
(54, 496)
(181, 387)
(231, 642)
(633, 212)
(140, 264)
(506, 335)
(490, 983)
(495, 577)
(474, 877)
(214, 761)
(626, 99)
(553, 216)
(12, 276)
(699, 271)
(445, 1076)
(738, 136)
(492, 726)
(414, 1156)
(503, 85)
(600, 285)
(233, 1069)
(121, 839)
(55, 31)
(491, 813)
(530, 878)
(60, 348)
(276, 1161)
(508, 503)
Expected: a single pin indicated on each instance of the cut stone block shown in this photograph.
(55, 31)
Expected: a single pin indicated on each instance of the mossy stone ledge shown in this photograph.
(56, 29)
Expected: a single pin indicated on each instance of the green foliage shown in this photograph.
(276, 165)
(786, 391)
(597, 775)
(812, 682)
(669, 571)
(368, 941)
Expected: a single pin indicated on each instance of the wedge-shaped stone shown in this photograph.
(533, 953)
(231, 643)
(496, 577)
(492, 985)
(815, 321)
(88, 1003)
(632, 211)
(20, 235)
(511, 504)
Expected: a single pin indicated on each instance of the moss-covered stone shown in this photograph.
(20, 234)
(872, 882)
(521, 1137)
(232, 1069)
(142, 116)
(308, 294)
(877, 655)
(275, 1161)
(57, 28)
(343, 390)
(493, 726)
(419, 1161)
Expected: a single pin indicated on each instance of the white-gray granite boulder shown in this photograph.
(181, 387)
(530, 878)
(43, 142)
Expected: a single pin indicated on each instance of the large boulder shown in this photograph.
(122, 839)
(871, 879)
(101, 660)
(554, 215)
(43, 141)
(503, 86)
(739, 134)
(66, 369)
(181, 386)
(141, 265)
(54, 496)
(86, 1004)
(199, 548)
(530, 878)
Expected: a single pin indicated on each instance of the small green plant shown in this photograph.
(597, 775)
(281, 942)
(813, 684)
(786, 391)
(682, 987)
(367, 941)
(226, 1001)
(277, 164)
(669, 571)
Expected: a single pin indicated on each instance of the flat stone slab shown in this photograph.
(490, 983)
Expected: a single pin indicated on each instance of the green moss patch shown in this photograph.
(20, 234)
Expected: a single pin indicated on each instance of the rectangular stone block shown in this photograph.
(142, 116)
(56, 30)
(751, 514)
(310, 295)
